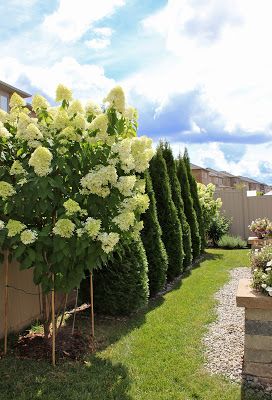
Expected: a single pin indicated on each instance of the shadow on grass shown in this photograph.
(96, 379)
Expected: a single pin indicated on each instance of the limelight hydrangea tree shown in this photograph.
(70, 184)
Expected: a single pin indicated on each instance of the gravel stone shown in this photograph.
(224, 341)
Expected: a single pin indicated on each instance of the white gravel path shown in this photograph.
(224, 341)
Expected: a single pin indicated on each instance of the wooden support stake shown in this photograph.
(6, 266)
(74, 317)
(92, 305)
(53, 323)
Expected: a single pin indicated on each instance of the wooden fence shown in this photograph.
(24, 299)
(242, 209)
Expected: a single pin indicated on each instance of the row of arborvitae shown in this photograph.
(172, 238)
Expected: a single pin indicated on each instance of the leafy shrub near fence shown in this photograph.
(219, 227)
(232, 242)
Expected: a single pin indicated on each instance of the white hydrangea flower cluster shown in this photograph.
(131, 113)
(71, 207)
(6, 190)
(40, 160)
(64, 227)
(2, 224)
(39, 103)
(124, 220)
(3, 116)
(142, 152)
(134, 153)
(108, 241)
(100, 124)
(79, 122)
(139, 203)
(4, 133)
(116, 99)
(97, 181)
(28, 236)
(125, 184)
(16, 101)
(17, 168)
(92, 227)
(14, 227)
(63, 93)
(92, 108)
(75, 108)
(61, 119)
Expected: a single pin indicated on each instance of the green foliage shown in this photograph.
(121, 287)
(231, 242)
(154, 247)
(188, 206)
(209, 205)
(260, 258)
(167, 214)
(177, 199)
(196, 203)
(219, 226)
(67, 192)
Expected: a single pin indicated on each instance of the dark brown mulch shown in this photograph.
(35, 346)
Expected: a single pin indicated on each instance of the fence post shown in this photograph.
(245, 212)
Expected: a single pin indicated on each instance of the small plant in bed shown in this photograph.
(232, 242)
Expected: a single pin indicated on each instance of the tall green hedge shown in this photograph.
(121, 287)
(189, 206)
(196, 202)
(154, 247)
(167, 214)
(177, 198)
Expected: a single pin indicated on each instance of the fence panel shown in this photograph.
(24, 305)
(242, 209)
(22, 308)
(233, 208)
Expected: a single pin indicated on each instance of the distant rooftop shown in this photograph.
(11, 89)
(194, 166)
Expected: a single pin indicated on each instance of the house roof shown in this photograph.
(250, 180)
(225, 173)
(194, 166)
(11, 89)
(213, 172)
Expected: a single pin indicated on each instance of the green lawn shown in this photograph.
(155, 355)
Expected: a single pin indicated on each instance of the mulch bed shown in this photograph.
(35, 346)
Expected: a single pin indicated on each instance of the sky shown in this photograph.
(198, 71)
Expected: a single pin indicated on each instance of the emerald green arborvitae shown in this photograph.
(177, 198)
(154, 247)
(194, 193)
(121, 286)
(167, 214)
(189, 206)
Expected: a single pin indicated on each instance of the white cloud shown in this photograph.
(97, 43)
(73, 19)
(210, 155)
(87, 81)
(229, 62)
(104, 31)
